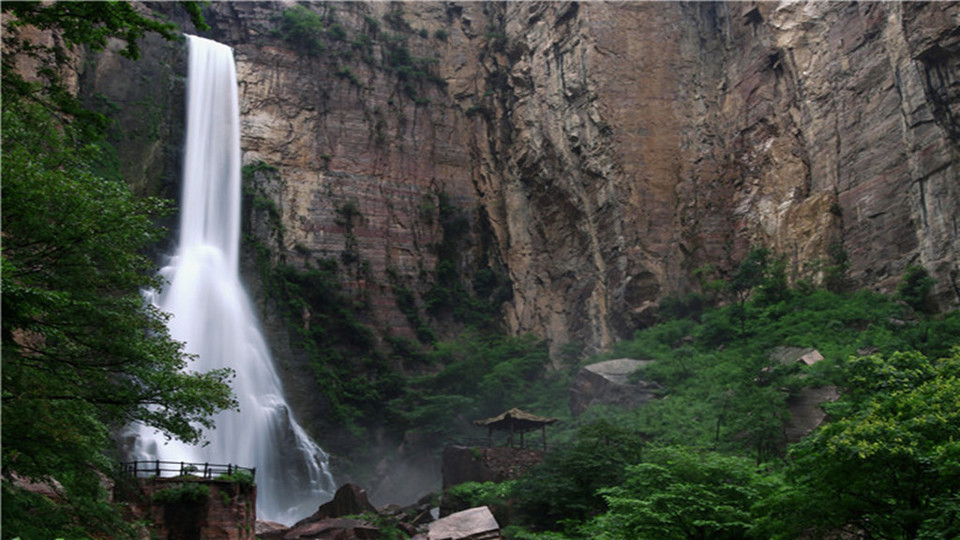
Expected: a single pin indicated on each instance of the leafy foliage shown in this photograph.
(331, 330)
(304, 28)
(498, 496)
(79, 24)
(680, 493)
(83, 353)
(566, 486)
(890, 462)
(187, 493)
(709, 458)
(449, 294)
(479, 376)
(915, 288)
(835, 276)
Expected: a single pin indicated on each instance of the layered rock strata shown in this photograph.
(601, 152)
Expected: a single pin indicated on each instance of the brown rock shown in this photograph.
(486, 464)
(270, 530)
(228, 513)
(786, 356)
(610, 148)
(349, 500)
(333, 529)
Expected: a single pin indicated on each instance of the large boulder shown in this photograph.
(608, 383)
(349, 500)
(472, 524)
(333, 529)
(806, 410)
(805, 405)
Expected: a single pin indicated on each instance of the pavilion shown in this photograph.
(516, 421)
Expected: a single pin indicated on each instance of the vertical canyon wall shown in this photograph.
(599, 153)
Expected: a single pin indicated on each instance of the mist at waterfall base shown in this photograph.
(212, 314)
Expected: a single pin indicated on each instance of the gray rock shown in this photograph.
(806, 411)
(473, 524)
(793, 355)
(607, 383)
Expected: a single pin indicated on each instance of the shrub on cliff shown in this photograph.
(303, 28)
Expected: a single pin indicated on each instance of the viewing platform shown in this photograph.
(179, 499)
(173, 469)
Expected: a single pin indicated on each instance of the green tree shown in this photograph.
(304, 28)
(565, 487)
(83, 354)
(889, 465)
(75, 25)
(915, 287)
(481, 376)
(835, 277)
(680, 493)
(749, 275)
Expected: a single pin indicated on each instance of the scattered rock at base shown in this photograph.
(270, 529)
(332, 529)
(49, 488)
(607, 383)
(472, 524)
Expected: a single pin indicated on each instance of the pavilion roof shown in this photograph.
(515, 420)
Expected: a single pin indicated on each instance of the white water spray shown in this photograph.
(212, 315)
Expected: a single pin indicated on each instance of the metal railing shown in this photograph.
(170, 469)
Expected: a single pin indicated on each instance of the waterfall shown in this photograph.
(212, 314)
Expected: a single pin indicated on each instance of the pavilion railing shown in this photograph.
(171, 469)
(486, 442)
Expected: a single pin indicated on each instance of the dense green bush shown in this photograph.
(680, 493)
(889, 462)
(565, 487)
(915, 287)
(186, 493)
(478, 376)
(303, 27)
(83, 352)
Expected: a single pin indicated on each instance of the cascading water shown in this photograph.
(212, 315)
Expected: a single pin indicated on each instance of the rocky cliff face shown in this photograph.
(648, 139)
(595, 154)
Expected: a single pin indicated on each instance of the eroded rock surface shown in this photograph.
(613, 148)
(602, 151)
